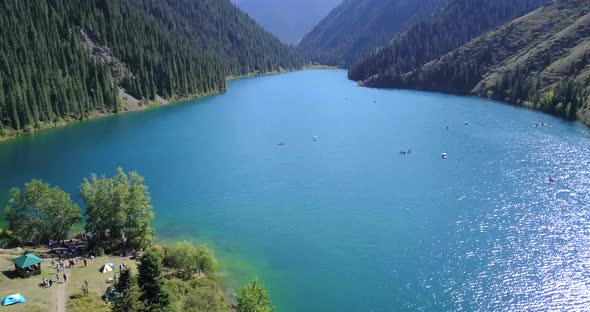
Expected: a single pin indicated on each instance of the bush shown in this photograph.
(100, 251)
(188, 260)
(202, 294)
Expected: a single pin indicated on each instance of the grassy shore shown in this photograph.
(46, 299)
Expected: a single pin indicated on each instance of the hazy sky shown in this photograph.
(287, 19)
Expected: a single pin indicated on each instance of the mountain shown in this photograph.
(65, 60)
(541, 60)
(357, 27)
(289, 20)
(455, 23)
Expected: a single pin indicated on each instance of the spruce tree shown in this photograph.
(127, 287)
(151, 282)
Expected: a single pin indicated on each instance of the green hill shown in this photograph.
(455, 23)
(357, 27)
(65, 60)
(540, 60)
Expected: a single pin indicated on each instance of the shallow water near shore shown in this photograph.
(347, 223)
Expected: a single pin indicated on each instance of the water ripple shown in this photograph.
(527, 248)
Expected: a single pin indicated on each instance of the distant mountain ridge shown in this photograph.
(357, 27)
(289, 20)
(540, 60)
(455, 23)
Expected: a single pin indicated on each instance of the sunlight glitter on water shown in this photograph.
(532, 248)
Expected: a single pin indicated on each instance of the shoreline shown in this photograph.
(150, 105)
(101, 115)
(578, 119)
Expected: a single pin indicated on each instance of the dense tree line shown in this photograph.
(455, 23)
(63, 60)
(356, 28)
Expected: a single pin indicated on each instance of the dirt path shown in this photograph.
(61, 297)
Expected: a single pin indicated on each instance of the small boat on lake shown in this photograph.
(445, 156)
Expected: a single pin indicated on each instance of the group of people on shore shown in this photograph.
(72, 252)
(49, 282)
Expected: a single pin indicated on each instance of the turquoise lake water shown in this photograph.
(347, 223)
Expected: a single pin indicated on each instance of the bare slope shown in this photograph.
(540, 60)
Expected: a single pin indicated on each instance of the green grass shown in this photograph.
(78, 303)
(44, 299)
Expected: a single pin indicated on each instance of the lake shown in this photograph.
(347, 223)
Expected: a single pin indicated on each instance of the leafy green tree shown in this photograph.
(39, 213)
(119, 212)
(151, 282)
(253, 298)
(189, 259)
(7, 238)
(127, 287)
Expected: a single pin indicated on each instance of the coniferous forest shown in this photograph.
(539, 60)
(66, 60)
(455, 23)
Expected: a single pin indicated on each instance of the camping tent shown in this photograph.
(12, 299)
(108, 267)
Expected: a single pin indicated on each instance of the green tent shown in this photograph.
(26, 261)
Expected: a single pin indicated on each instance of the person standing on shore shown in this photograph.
(65, 278)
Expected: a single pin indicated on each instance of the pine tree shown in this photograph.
(151, 282)
(49, 75)
(127, 287)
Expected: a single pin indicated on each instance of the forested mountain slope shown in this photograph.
(357, 27)
(455, 23)
(289, 20)
(541, 60)
(64, 60)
